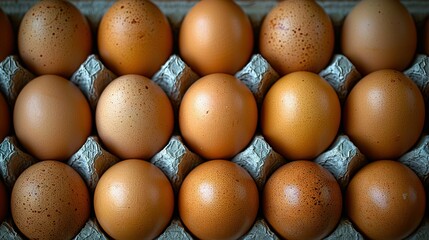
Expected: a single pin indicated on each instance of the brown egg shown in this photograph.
(218, 116)
(216, 37)
(4, 201)
(134, 37)
(54, 38)
(133, 200)
(379, 34)
(385, 200)
(134, 117)
(50, 201)
(218, 200)
(384, 114)
(7, 38)
(300, 115)
(52, 118)
(302, 200)
(297, 35)
(4, 118)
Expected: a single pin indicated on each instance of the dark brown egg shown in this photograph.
(50, 201)
(4, 118)
(7, 38)
(302, 200)
(385, 200)
(4, 201)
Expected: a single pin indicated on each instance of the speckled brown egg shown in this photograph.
(134, 117)
(133, 200)
(54, 38)
(4, 118)
(218, 200)
(52, 118)
(50, 201)
(4, 201)
(379, 34)
(300, 115)
(7, 38)
(134, 37)
(302, 200)
(218, 116)
(384, 114)
(385, 200)
(297, 35)
(216, 37)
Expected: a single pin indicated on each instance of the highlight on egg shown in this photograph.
(297, 35)
(54, 37)
(134, 37)
(216, 37)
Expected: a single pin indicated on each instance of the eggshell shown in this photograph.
(297, 35)
(218, 116)
(385, 200)
(134, 117)
(133, 200)
(4, 201)
(4, 118)
(300, 115)
(216, 37)
(50, 201)
(379, 34)
(384, 114)
(52, 118)
(54, 38)
(7, 37)
(302, 200)
(134, 37)
(218, 200)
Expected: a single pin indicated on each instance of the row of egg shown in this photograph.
(134, 37)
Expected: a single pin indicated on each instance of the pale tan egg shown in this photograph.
(5, 118)
(379, 34)
(134, 117)
(297, 35)
(134, 37)
(385, 200)
(7, 37)
(133, 200)
(218, 116)
(384, 114)
(302, 200)
(54, 38)
(52, 118)
(300, 115)
(216, 37)
(50, 201)
(218, 200)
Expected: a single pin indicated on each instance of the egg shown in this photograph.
(300, 115)
(384, 114)
(4, 201)
(134, 117)
(4, 118)
(302, 200)
(7, 37)
(385, 200)
(297, 35)
(50, 201)
(379, 34)
(52, 118)
(216, 37)
(218, 116)
(54, 38)
(133, 200)
(134, 37)
(218, 200)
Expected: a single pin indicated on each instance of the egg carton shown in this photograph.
(343, 159)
